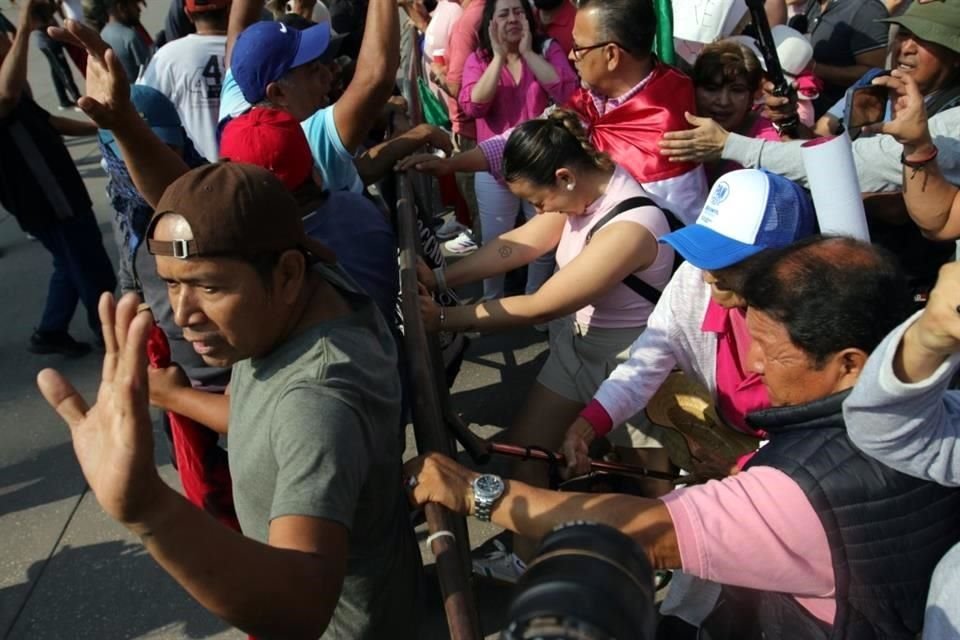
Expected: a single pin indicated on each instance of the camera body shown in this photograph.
(588, 582)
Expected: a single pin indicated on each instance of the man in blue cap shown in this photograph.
(272, 63)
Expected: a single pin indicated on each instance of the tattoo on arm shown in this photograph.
(505, 252)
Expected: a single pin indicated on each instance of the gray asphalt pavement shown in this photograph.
(66, 570)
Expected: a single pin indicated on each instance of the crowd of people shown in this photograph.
(662, 216)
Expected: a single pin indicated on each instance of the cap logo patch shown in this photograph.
(283, 28)
(720, 192)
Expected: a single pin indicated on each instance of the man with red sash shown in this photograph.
(627, 101)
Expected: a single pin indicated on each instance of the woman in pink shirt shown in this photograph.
(511, 78)
(727, 77)
(594, 316)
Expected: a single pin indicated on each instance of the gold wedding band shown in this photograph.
(143, 306)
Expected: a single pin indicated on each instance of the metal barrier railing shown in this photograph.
(449, 540)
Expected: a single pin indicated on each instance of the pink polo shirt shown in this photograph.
(464, 40)
(738, 391)
(515, 101)
(756, 529)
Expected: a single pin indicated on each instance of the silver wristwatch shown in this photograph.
(487, 489)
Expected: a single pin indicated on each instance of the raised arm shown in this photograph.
(243, 13)
(13, 70)
(932, 202)
(151, 163)
(901, 410)
(373, 81)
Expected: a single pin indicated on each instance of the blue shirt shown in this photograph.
(330, 157)
(364, 242)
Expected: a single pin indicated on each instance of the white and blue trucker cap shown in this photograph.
(747, 211)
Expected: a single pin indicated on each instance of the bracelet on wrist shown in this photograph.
(919, 164)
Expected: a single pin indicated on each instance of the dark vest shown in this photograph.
(886, 532)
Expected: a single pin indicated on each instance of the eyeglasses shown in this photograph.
(580, 52)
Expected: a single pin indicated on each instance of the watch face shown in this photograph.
(488, 487)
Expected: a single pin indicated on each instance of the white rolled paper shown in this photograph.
(832, 177)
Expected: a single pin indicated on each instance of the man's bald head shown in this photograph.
(831, 293)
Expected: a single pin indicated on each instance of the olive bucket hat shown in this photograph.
(936, 21)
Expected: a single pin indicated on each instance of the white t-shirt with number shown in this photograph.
(190, 72)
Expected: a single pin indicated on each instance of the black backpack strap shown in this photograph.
(641, 288)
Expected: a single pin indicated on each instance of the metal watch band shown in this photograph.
(481, 510)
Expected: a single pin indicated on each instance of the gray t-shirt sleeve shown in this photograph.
(321, 446)
(866, 34)
(913, 428)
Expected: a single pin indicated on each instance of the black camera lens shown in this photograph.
(588, 582)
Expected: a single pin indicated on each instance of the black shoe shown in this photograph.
(57, 342)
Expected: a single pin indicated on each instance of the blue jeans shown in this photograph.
(81, 272)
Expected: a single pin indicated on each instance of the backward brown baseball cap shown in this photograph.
(234, 210)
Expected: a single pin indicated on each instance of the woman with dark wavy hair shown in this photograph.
(511, 78)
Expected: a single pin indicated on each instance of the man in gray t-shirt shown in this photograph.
(313, 417)
(120, 33)
(313, 433)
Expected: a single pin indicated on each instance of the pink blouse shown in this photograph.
(515, 102)
(739, 391)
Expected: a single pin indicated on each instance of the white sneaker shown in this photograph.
(500, 564)
(450, 229)
(463, 243)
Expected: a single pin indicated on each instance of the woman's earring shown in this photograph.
(571, 186)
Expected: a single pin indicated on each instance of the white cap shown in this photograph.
(793, 49)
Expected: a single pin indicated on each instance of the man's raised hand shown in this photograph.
(113, 439)
(108, 89)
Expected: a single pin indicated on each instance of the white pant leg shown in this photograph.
(543, 267)
(498, 215)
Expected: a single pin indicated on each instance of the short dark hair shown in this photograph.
(727, 60)
(212, 16)
(264, 265)
(831, 293)
(537, 148)
(489, 8)
(632, 24)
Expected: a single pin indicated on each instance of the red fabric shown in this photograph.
(561, 29)
(144, 35)
(630, 132)
(597, 416)
(450, 195)
(202, 464)
(79, 57)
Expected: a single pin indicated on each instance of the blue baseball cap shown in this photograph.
(747, 211)
(265, 51)
(158, 112)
